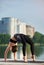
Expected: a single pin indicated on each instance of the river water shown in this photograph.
(39, 52)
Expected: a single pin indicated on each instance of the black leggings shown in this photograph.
(26, 39)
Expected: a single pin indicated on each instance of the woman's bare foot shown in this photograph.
(15, 59)
(25, 59)
(33, 57)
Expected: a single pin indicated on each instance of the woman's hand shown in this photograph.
(5, 59)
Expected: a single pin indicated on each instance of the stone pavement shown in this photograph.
(18, 63)
(21, 62)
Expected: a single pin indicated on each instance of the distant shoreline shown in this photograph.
(36, 44)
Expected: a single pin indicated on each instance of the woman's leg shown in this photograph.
(24, 48)
(30, 42)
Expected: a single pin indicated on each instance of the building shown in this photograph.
(30, 30)
(5, 25)
(11, 26)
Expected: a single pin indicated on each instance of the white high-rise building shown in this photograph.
(11, 26)
(30, 30)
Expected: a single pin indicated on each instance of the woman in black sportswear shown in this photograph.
(20, 38)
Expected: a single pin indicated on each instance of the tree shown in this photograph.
(38, 38)
(41, 39)
(4, 38)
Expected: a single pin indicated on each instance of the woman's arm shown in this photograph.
(6, 52)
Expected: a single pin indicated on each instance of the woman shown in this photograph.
(12, 46)
(20, 38)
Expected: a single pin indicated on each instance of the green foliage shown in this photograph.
(2, 50)
(39, 50)
(4, 38)
(42, 39)
(38, 38)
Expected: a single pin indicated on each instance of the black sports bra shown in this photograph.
(13, 41)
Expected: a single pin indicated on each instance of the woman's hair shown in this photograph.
(14, 48)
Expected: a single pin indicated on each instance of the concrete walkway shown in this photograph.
(21, 62)
(18, 63)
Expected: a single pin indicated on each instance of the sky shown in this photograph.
(29, 11)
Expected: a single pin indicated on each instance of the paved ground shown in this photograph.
(20, 62)
(14, 63)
